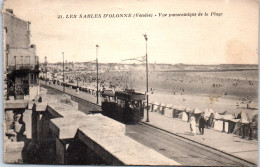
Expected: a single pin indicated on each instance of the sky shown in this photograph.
(231, 38)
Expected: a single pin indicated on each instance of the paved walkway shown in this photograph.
(229, 143)
(83, 95)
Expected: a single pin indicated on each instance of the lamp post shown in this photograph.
(63, 74)
(46, 70)
(97, 69)
(145, 37)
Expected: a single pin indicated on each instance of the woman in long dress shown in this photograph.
(193, 125)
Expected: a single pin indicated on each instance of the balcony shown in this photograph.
(23, 67)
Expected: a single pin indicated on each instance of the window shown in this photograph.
(7, 47)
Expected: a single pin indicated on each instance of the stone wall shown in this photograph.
(53, 131)
(65, 135)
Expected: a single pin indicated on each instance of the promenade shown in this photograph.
(228, 143)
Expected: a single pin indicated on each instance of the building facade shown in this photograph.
(21, 64)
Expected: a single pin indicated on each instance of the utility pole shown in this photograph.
(97, 69)
(63, 74)
(147, 119)
(45, 70)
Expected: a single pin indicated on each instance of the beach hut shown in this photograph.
(174, 107)
(180, 109)
(218, 122)
(177, 110)
(189, 111)
(151, 104)
(229, 124)
(162, 107)
(209, 117)
(217, 116)
(227, 117)
(207, 112)
(183, 116)
(156, 107)
(197, 113)
(145, 105)
(218, 125)
(168, 111)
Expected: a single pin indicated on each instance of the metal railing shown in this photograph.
(23, 67)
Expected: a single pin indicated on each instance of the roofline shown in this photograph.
(4, 11)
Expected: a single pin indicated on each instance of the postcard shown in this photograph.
(141, 82)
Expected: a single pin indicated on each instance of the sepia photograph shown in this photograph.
(130, 83)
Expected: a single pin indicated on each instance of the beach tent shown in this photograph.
(218, 122)
(183, 116)
(197, 113)
(168, 111)
(181, 108)
(145, 105)
(209, 117)
(207, 112)
(162, 107)
(178, 110)
(174, 107)
(222, 113)
(228, 117)
(189, 111)
(156, 107)
(230, 123)
(218, 125)
(168, 105)
(150, 104)
(217, 116)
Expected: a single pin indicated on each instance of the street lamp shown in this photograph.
(63, 74)
(97, 69)
(147, 119)
(46, 70)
